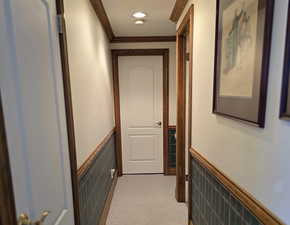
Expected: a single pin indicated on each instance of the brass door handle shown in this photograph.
(24, 219)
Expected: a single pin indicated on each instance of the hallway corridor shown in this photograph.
(146, 200)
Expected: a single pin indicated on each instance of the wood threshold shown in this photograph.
(132, 39)
(86, 165)
(109, 199)
(177, 10)
(141, 52)
(263, 214)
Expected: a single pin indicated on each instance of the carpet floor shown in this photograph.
(146, 200)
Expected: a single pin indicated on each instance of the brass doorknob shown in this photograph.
(24, 219)
(158, 123)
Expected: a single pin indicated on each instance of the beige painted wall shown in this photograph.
(257, 159)
(172, 69)
(91, 80)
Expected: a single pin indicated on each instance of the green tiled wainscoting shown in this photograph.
(213, 204)
(95, 184)
(171, 147)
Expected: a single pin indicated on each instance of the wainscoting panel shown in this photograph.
(171, 147)
(216, 200)
(95, 183)
(213, 204)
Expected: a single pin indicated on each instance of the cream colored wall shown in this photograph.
(172, 69)
(91, 80)
(257, 159)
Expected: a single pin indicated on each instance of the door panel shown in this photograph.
(141, 108)
(142, 148)
(33, 105)
(141, 97)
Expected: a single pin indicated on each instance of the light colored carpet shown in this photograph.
(146, 200)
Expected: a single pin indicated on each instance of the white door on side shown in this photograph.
(141, 96)
(34, 110)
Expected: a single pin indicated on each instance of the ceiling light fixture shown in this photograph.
(139, 15)
(139, 22)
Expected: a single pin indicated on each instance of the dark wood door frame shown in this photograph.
(68, 108)
(7, 201)
(141, 52)
(185, 28)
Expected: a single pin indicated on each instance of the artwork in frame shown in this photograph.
(285, 98)
(243, 42)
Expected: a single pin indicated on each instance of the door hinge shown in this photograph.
(187, 56)
(60, 23)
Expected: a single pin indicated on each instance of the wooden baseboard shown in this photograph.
(106, 209)
(170, 172)
(263, 214)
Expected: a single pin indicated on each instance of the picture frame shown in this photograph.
(285, 96)
(242, 53)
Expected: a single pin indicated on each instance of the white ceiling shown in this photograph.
(157, 20)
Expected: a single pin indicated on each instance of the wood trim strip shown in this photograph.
(172, 127)
(140, 52)
(109, 199)
(103, 17)
(143, 39)
(7, 203)
(191, 30)
(165, 110)
(87, 164)
(115, 64)
(177, 10)
(263, 214)
(171, 172)
(186, 27)
(69, 110)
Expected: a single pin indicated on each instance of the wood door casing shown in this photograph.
(140, 52)
(141, 109)
(7, 203)
(186, 27)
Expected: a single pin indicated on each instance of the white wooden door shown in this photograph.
(141, 96)
(34, 111)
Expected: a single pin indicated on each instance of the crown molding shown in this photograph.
(177, 10)
(126, 39)
(103, 17)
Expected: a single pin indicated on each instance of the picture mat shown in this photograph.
(238, 49)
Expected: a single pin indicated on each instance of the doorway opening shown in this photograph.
(141, 162)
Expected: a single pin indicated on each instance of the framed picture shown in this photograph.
(243, 42)
(285, 98)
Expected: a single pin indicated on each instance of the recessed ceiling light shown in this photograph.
(139, 22)
(139, 15)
